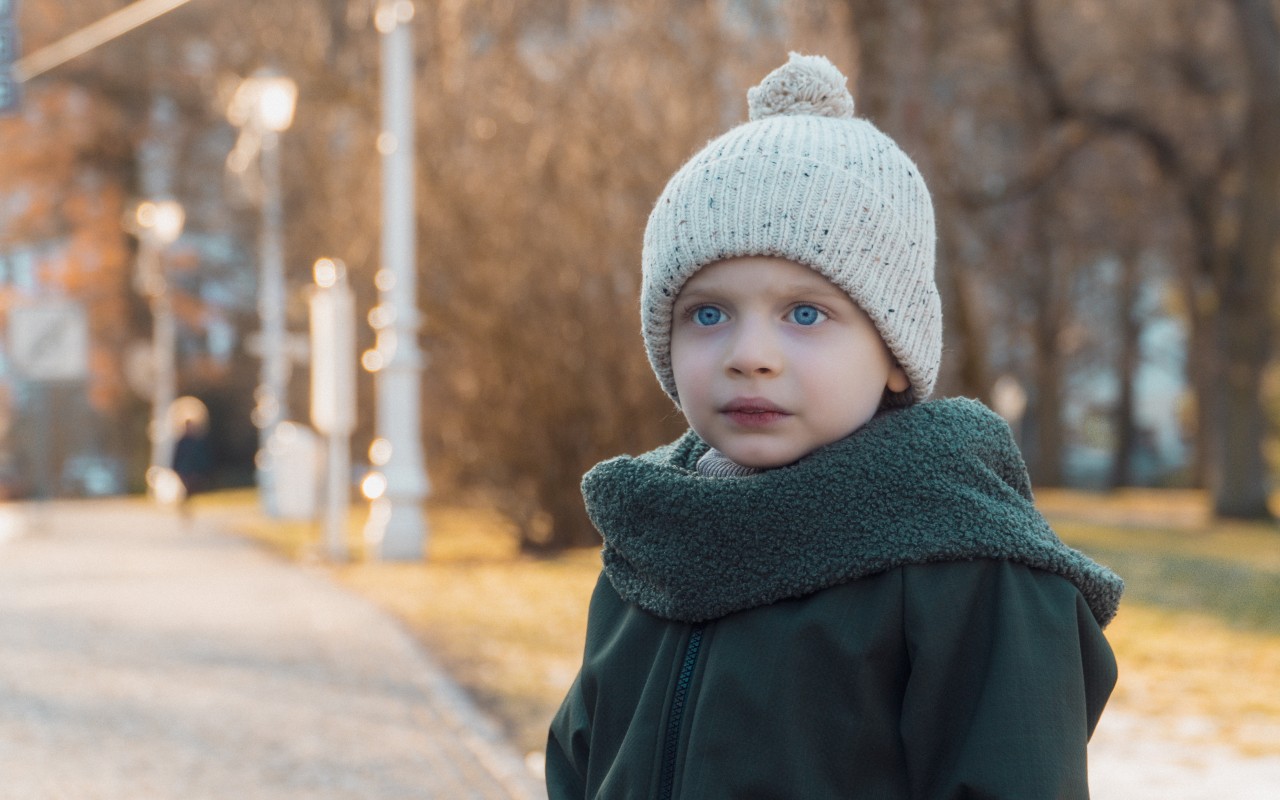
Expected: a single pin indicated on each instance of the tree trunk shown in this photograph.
(1240, 478)
(1202, 375)
(1045, 463)
(1049, 302)
(1244, 324)
(893, 69)
(896, 41)
(966, 328)
(873, 28)
(1126, 369)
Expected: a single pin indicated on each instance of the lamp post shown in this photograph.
(262, 108)
(333, 391)
(157, 225)
(397, 522)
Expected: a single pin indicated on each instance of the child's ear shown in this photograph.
(898, 380)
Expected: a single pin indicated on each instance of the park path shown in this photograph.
(141, 658)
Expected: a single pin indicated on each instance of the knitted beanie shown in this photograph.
(806, 181)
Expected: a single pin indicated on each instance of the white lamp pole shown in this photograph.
(158, 224)
(333, 391)
(397, 520)
(264, 104)
(273, 379)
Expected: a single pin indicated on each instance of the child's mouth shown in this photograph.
(754, 419)
(753, 412)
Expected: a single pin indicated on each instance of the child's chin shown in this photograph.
(761, 460)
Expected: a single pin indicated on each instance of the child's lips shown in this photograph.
(753, 412)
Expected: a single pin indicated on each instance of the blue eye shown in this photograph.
(806, 315)
(708, 315)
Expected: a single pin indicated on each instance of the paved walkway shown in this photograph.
(1135, 757)
(141, 660)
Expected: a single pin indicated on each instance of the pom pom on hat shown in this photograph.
(804, 85)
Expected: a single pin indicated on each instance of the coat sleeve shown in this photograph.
(567, 747)
(1009, 673)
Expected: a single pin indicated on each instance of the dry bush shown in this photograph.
(544, 151)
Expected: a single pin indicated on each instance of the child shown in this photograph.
(828, 588)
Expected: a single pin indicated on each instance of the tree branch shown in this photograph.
(1063, 107)
(1196, 190)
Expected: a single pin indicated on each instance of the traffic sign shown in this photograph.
(49, 341)
(9, 94)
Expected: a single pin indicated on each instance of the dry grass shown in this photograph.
(1208, 680)
(1198, 635)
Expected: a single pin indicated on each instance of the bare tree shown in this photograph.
(1162, 76)
(1229, 201)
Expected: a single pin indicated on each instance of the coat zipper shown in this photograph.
(666, 785)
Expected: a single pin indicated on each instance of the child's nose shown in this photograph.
(754, 350)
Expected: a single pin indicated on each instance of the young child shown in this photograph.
(829, 588)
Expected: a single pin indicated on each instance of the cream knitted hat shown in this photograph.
(807, 181)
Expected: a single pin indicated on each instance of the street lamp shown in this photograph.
(158, 224)
(262, 108)
(397, 523)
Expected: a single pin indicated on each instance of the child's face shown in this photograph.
(772, 360)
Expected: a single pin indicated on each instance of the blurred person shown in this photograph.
(830, 587)
(192, 461)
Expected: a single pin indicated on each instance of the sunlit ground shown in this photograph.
(1198, 634)
(1197, 637)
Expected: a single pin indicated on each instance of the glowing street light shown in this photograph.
(161, 220)
(265, 100)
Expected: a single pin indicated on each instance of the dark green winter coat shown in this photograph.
(887, 618)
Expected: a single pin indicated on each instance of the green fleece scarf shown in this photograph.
(939, 481)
